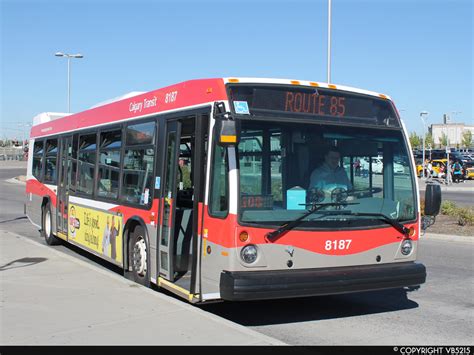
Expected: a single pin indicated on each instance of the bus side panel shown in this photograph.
(36, 192)
(216, 255)
(152, 233)
(32, 199)
(33, 207)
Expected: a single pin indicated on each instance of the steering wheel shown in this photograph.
(315, 195)
(339, 194)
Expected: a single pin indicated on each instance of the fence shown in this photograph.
(12, 153)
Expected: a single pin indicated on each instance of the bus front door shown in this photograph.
(182, 195)
(169, 200)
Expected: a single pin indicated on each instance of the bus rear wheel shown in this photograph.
(139, 257)
(47, 226)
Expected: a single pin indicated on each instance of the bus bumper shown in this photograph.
(258, 285)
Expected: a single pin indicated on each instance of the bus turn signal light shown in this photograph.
(243, 237)
(228, 139)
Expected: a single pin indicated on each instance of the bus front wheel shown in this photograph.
(139, 256)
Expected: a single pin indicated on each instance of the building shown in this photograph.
(454, 132)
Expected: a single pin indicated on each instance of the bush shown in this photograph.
(465, 217)
(422, 206)
(449, 208)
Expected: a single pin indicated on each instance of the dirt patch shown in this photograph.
(449, 225)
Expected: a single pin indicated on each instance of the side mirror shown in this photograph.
(432, 205)
(225, 128)
(432, 199)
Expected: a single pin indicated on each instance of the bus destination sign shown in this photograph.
(318, 103)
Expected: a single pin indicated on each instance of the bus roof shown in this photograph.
(304, 83)
(187, 94)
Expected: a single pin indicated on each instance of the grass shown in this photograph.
(463, 215)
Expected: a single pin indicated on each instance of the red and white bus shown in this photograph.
(205, 188)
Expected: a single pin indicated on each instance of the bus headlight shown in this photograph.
(407, 247)
(249, 254)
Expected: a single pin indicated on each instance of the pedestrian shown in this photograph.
(429, 168)
(357, 167)
(457, 171)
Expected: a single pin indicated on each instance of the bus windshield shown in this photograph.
(287, 169)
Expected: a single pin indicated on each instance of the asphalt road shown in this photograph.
(440, 313)
(461, 198)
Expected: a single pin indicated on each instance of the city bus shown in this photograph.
(203, 189)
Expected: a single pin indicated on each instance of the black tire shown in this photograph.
(139, 256)
(47, 226)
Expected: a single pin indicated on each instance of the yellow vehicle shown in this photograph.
(438, 167)
(469, 170)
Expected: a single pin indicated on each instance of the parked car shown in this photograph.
(469, 170)
(466, 158)
(438, 168)
(377, 166)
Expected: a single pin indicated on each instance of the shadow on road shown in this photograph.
(13, 219)
(257, 313)
(95, 259)
(23, 262)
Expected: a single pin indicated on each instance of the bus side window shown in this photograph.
(86, 163)
(38, 159)
(73, 171)
(219, 199)
(138, 163)
(51, 160)
(109, 163)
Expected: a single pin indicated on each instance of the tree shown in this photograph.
(429, 140)
(414, 140)
(444, 140)
(467, 138)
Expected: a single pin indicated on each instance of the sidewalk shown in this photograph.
(50, 298)
(449, 238)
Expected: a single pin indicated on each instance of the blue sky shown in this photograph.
(419, 52)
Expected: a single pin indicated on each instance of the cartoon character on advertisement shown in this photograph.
(106, 238)
(114, 232)
(74, 223)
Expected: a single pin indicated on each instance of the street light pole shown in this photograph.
(456, 128)
(424, 113)
(68, 56)
(329, 41)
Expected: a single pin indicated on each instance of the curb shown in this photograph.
(447, 237)
(467, 186)
(15, 181)
(175, 302)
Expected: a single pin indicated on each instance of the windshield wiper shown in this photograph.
(394, 223)
(272, 236)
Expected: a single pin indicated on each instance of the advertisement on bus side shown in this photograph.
(99, 231)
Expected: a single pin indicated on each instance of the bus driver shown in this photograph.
(330, 175)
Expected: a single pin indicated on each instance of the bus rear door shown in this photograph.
(64, 166)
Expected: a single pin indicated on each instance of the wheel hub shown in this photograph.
(47, 223)
(139, 257)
